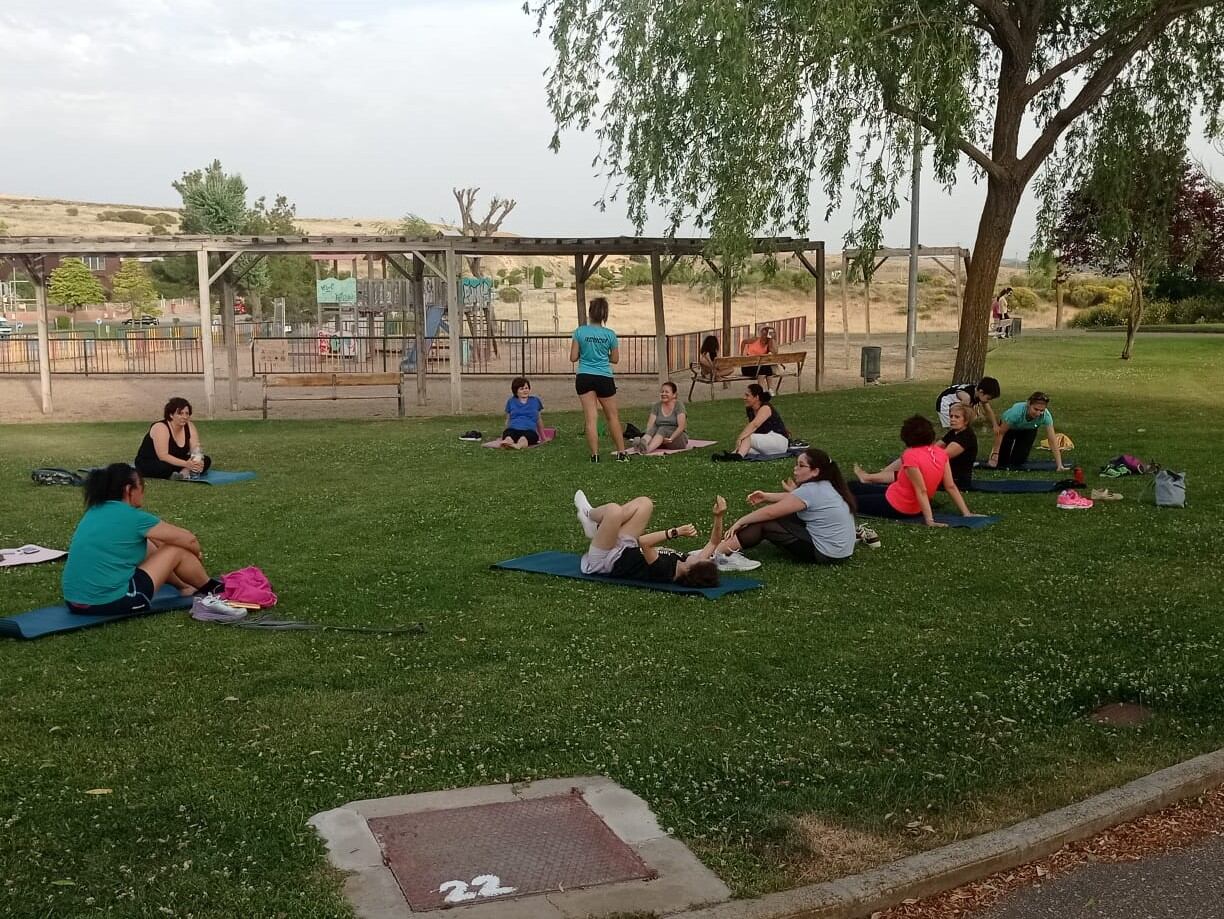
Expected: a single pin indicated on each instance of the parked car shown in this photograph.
(6, 328)
(142, 320)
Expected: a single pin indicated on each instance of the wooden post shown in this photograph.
(455, 321)
(867, 304)
(206, 340)
(418, 316)
(726, 311)
(656, 283)
(44, 338)
(845, 292)
(1058, 297)
(580, 289)
(231, 338)
(820, 316)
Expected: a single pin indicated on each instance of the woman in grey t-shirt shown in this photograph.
(665, 429)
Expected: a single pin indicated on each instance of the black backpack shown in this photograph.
(51, 475)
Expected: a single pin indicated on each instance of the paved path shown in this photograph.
(1181, 885)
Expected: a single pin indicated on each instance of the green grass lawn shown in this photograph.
(941, 681)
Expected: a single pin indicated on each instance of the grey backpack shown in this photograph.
(1170, 488)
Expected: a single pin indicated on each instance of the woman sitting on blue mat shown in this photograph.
(811, 519)
(120, 555)
(1018, 429)
(765, 434)
(171, 447)
(523, 413)
(924, 467)
(959, 442)
(621, 547)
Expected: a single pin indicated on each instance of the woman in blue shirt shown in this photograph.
(595, 348)
(523, 413)
(120, 555)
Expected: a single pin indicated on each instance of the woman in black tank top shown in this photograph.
(765, 433)
(168, 445)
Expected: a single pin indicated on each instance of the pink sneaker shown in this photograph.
(1072, 500)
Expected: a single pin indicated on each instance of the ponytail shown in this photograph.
(829, 471)
(109, 484)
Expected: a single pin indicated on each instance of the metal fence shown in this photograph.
(134, 352)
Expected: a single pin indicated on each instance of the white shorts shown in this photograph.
(600, 561)
(768, 444)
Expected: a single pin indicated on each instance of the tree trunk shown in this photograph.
(1002, 199)
(1134, 317)
(474, 265)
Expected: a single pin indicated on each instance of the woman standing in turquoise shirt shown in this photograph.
(595, 348)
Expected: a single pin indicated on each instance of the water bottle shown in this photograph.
(197, 456)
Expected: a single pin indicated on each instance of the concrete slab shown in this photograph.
(682, 881)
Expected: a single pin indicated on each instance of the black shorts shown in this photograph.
(137, 599)
(533, 437)
(603, 387)
(765, 370)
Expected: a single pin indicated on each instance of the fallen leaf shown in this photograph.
(99, 791)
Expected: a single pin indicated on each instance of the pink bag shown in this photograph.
(248, 585)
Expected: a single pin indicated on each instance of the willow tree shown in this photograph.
(725, 112)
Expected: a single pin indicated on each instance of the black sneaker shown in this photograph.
(594, 457)
(622, 457)
(471, 436)
(729, 456)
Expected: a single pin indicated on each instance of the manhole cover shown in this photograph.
(1121, 714)
(467, 855)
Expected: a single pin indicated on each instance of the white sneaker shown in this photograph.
(734, 561)
(589, 526)
(210, 606)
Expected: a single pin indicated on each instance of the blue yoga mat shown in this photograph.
(1030, 466)
(566, 565)
(1015, 486)
(53, 619)
(217, 477)
(952, 520)
(770, 457)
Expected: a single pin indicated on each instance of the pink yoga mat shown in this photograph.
(549, 434)
(692, 445)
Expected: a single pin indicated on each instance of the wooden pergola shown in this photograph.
(410, 257)
(960, 264)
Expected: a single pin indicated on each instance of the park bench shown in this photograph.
(780, 362)
(333, 382)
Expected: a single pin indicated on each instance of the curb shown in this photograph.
(933, 872)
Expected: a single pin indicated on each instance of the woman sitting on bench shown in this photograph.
(621, 547)
(707, 359)
(811, 519)
(1018, 429)
(924, 467)
(120, 555)
(761, 346)
(765, 434)
(171, 447)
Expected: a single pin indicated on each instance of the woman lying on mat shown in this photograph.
(171, 447)
(120, 555)
(811, 519)
(523, 412)
(665, 428)
(621, 547)
(959, 442)
(1018, 429)
(764, 434)
(924, 467)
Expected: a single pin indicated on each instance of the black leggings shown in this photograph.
(787, 533)
(1016, 446)
(156, 469)
(872, 502)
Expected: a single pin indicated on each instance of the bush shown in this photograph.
(924, 277)
(72, 211)
(636, 275)
(1197, 309)
(1096, 317)
(1023, 298)
(605, 273)
(596, 282)
(159, 230)
(560, 284)
(124, 217)
(537, 277)
(166, 219)
(509, 295)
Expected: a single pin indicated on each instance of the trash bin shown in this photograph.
(1013, 330)
(869, 364)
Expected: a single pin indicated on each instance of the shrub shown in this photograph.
(166, 219)
(537, 277)
(1158, 312)
(72, 211)
(560, 284)
(605, 272)
(159, 230)
(509, 295)
(1197, 309)
(596, 282)
(1098, 316)
(1022, 298)
(124, 217)
(636, 275)
(924, 277)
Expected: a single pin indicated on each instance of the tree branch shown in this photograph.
(1095, 87)
(974, 153)
(1004, 29)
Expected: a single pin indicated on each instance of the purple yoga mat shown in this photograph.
(692, 445)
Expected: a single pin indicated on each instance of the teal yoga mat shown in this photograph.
(51, 620)
(218, 477)
(1030, 466)
(952, 520)
(770, 457)
(566, 565)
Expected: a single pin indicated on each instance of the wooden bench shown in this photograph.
(780, 362)
(333, 380)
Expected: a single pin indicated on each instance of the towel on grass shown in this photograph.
(568, 565)
(11, 558)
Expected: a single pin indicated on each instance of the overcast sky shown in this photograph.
(350, 107)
